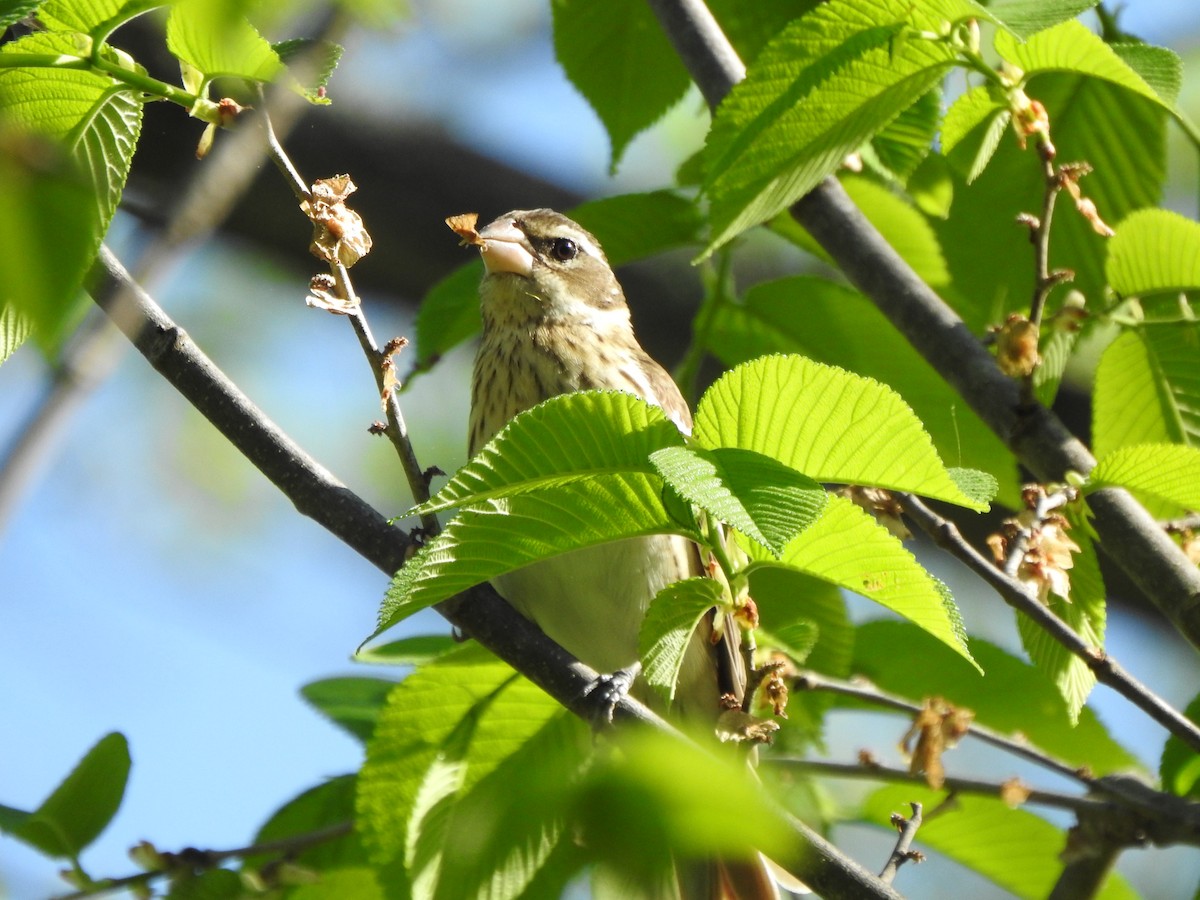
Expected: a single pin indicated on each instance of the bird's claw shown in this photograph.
(606, 692)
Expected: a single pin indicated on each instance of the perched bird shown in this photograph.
(555, 320)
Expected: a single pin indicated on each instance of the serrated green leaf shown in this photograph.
(14, 330)
(568, 438)
(1159, 67)
(1154, 251)
(1026, 18)
(972, 130)
(1016, 849)
(1179, 767)
(931, 187)
(847, 547)
(424, 713)
(219, 41)
(816, 93)
(1085, 612)
(61, 192)
(837, 325)
(13, 11)
(1071, 47)
(796, 639)
(976, 484)
(317, 61)
(507, 533)
(410, 651)
(1012, 696)
(449, 315)
(1148, 389)
(619, 58)
(762, 498)
(97, 18)
(666, 632)
(353, 703)
(1170, 472)
(1055, 352)
(504, 830)
(750, 27)
(903, 143)
(830, 424)
(81, 807)
(634, 226)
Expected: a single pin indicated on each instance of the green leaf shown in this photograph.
(409, 651)
(80, 807)
(1159, 67)
(837, 325)
(1026, 18)
(1085, 612)
(972, 130)
(1071, 47)
(352, 702)
(831, 425)
(823, 87)
(634, 226)
(1148, 389)
(1179, 767)
(568, 438)
(666, 631)
(906, 141)
(750, 27)
(846, 547)
(637, 807)
(219, 41)
(97, 18)
(61, 192)
(1057, 344)
(908, 232)
(619, 58)
(507, 533)
(980, 486)
(1016, 849)
(449, 315)
(1154, 251)
(765, 500)
(13, 11)
(317, 61)
(1010, 696)
(1170, 472)
(504, 835)
(422, 723)
(14, 330)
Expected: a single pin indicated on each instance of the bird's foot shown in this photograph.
(606, 692)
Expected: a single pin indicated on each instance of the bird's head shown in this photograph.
(542, 265)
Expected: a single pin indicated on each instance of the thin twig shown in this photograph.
(955, 785)
(191, 861)
(397, 429)
(901, 853)
(1106, 669)
(1044, 280)
(869, 693)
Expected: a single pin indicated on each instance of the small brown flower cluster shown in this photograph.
(338, 232)
(1040, 538)
(881, 504)
(935, 729)
(1017, 346)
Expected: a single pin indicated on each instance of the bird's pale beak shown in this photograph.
(505, 249)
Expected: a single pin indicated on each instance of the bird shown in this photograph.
(556, 320)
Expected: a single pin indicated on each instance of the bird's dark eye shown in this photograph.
(564, 249)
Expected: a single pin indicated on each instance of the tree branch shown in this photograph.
(902, 854)
(1039, 439)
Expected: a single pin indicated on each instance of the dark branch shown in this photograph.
(901, 853)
